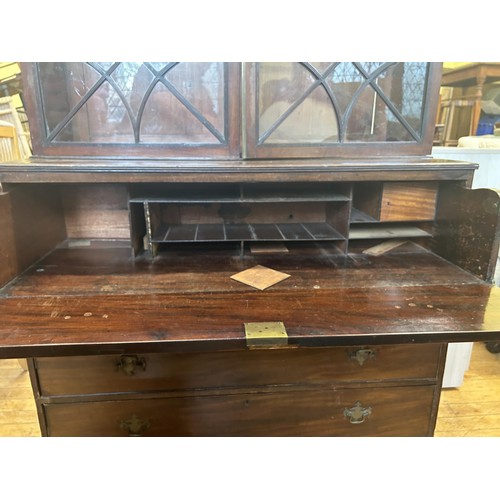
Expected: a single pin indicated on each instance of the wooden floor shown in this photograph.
(471, 410)
(17, 407)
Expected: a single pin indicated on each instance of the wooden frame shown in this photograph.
(241, 143)
(342, 149)
(43, 146)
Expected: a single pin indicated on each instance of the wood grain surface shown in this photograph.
(89, 301)
(308, 413)
(302, 367)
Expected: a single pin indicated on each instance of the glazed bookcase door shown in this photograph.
(340, 109)
(164, 109)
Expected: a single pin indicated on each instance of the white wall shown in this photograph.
(488, 173)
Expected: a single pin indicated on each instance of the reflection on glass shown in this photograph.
(311, 120)
(186, 104)
(390, 107)
(340, 102)
(292, 107)
(178, 103)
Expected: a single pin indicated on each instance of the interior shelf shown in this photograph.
(268, 212)
(256, 198)
(245, 232)
(239, 212)
(358, 216)
(383, 231)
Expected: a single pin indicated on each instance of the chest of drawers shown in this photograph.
(281, 391)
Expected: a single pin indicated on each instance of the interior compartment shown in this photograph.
(395, 201)
(152, 218)
(242, 213)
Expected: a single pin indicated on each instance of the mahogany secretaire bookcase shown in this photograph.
(226, 249)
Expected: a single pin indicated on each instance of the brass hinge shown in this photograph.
(266, 334)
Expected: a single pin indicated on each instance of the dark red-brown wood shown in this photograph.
(93, 375)
(468, 229)
(75, 303)
(96, 296)
(35, 110)
(95, 170)
(32, 224)
(395, 411)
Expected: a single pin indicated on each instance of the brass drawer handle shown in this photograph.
(361, 355)
(128, 364)
(357, 413)
(134, 426)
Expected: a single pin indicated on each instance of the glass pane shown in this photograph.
(202, 84)
(370, 67)
(281, 82)
(340, 102)
(321, 66)
(186, 105)
(117, 102)
(293, 106)
(312, 121)
(344, 81)
(102, 119)
(414, 80)
(159, 66)
(53, 91)
(105, 65)
(128, 77)
(372, 121)
(394, 111)
(63, 86)
(366, 121)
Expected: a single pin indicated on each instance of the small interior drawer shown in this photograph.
(396, 201)
(403, 201)
(186, 371)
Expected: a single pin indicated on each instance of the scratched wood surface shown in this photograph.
(86, 300)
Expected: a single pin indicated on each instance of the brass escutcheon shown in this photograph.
(361, 355)
(357, 413)
(134, 426)
(128, 364)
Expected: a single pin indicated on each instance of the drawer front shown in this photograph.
(164, 372)
(408, 201)
(400, 411)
